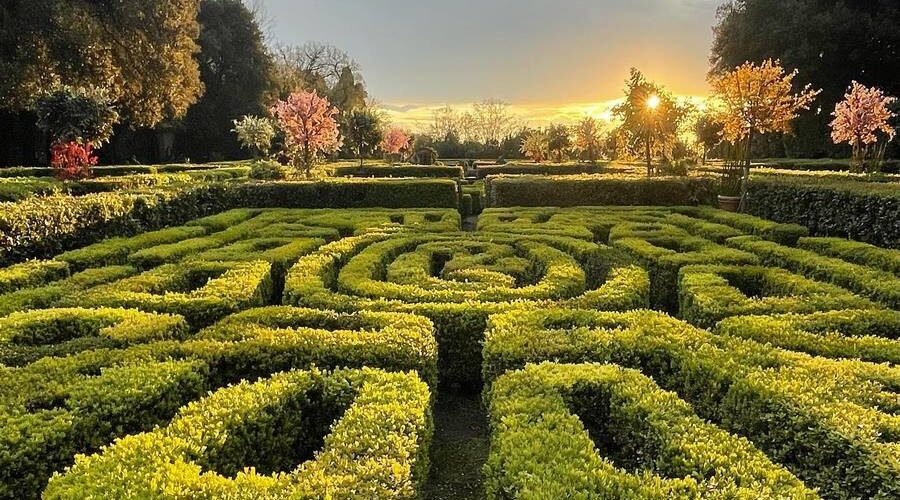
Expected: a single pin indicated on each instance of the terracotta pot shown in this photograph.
(729, 203)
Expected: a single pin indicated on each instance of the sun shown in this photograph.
(653, 101)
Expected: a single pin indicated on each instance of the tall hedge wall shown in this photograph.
(592, 190)
(863, 211)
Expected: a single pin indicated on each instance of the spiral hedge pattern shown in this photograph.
(647, 352)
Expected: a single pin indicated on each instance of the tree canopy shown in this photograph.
(235, 67)
(831, 43)
(140, 51)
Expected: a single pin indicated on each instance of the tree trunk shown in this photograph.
(745, 178)
(647, 154)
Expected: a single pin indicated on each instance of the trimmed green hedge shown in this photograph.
(202, 292)
(858, 210)
(279, 337)
(54, 292)
(29, 335)
(707, 294)
(457, 280)
(483, 171)
(30, 274)
(861, 334)
(593, 190)
(452, 172)
(785, 234)
(663, 250)
(43, 226)
(52, 410)
(377, 448)
(854, 251)
(877, 285)
(116, 250)
(829, 422)
(348, 193)
(549, 421)
(58, 406)
(112, 170)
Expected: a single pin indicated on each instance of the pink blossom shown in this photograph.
(861, 115)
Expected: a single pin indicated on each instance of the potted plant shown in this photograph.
(732, 175)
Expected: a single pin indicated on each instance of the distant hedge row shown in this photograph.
(592, 190)
(453, 172)
(542, 169)
(113, 170)
(861, 211)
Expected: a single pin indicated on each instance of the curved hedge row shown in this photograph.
(550, 420)
(377, 447)
(29, 335)
(825, 420)
(459, 279)
(870, 335)
(202, 292)
(707, 294)
(878, 285)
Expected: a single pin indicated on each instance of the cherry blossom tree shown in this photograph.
(394, 142)
(310, 126)
(859, 120)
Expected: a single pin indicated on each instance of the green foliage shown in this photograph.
(85, 116)
(804, 412)
(55, 408)
(269, 338)
(663, 250)
(785, 234)
(398, 171)
(458, 279)
(862, 211)
(587, 190)
(869, 335)
(877, 285)
(31, 273)
(255, 134)
(549, 420)
(50, 294)
(202, 292)
(268, 170)
(854, 251)
(377, 448)
(150, 74)
(29, 335)
(707, 294)
(362, 132)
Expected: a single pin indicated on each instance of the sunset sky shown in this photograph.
(552, 60)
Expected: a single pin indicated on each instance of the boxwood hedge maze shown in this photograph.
(604, 352)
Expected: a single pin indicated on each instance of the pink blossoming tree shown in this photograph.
(310, 126)
(859, 120)
(394, 142)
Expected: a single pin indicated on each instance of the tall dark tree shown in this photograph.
(559, 141)
(235, 68)
(141, 52)
(831, 43)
